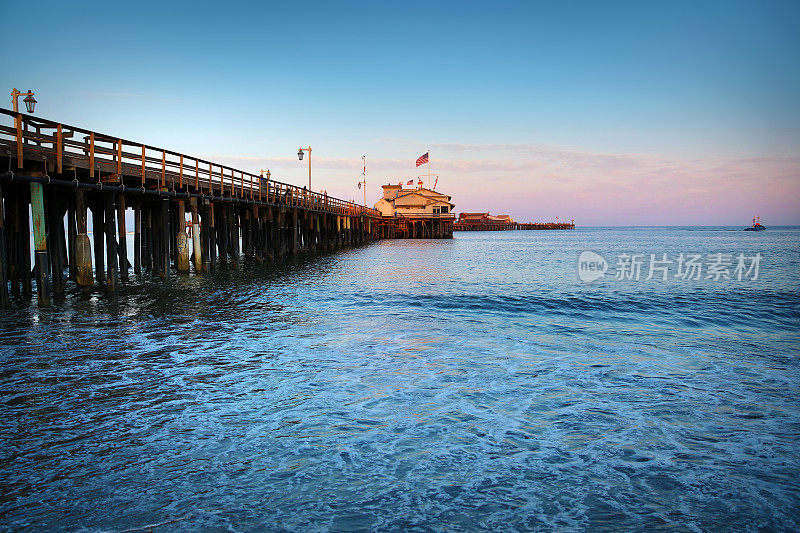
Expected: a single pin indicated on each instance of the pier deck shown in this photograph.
(54, 172)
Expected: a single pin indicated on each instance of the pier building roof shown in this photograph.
(420, 202)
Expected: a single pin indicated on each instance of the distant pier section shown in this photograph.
(487, 222)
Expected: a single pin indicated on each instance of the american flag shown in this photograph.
(421, 160)
(410, 182)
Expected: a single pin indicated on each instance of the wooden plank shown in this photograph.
(119, 156)
(91, 155)
(163, 168)
(59, 150)
(143, 168)
(196, 175)
(180, 179)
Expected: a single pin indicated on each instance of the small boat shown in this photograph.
(756, 225)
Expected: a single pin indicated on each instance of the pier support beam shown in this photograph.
(98, 225)
(24, 234)
(83, 250)
(112, 273)
(137, 239)
(4, 302)
(212, 236)
(197, 248)
(295, 244)
(72, 233)
(55, 240)
(164, 258)
(233, 226)
(123, 238)
(11, 225)
(182, 241)
(222, 233)
(40, 244)
(147, 237)
(280, 232)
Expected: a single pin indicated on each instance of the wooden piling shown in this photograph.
(173, 233)
(112, 272)
(83, 250)
(247, 234)
(137, 239)
(147, 237)
(72, 234)
(182, 241)
(122, 235)
(165, 238)
(222, 234)
(234, 236)
(4, 302)
(212, 236)
(24, 244)
(11, 224)
(268, 233)
(197, 249)
(294, 243)
(40, 244)
(55, 227)
(98, 236)
(278, 232)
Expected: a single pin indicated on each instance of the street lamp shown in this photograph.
(263, 182)
(300, 157)
(364, 179)
(30, 101)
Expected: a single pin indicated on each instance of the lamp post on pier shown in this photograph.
(30, 101)
(364, 179)
(300, 157)
(264, 183)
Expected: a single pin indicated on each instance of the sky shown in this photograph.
(608, 113)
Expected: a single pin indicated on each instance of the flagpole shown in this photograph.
(429, 167)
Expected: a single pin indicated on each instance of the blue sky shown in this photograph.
(532, 108)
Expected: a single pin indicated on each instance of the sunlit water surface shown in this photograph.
(462, 384)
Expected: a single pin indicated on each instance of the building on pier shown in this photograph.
(415, 213)
(484, 218)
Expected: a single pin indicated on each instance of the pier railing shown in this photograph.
(109, 158)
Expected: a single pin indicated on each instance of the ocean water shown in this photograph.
(467, 384)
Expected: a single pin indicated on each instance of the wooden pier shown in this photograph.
(469, 226)
(190, 214)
